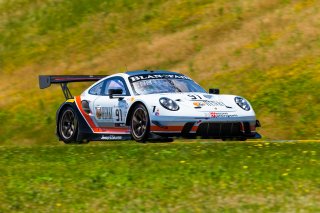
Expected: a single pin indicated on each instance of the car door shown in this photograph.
(108, 111)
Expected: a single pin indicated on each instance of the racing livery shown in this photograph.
(149, 105)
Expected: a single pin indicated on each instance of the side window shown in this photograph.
(96, 90)
(115, 84)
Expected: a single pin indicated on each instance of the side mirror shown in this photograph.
(214, 91)
(113, 92)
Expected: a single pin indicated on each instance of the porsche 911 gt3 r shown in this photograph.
(149, 105)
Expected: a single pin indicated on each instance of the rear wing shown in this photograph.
(46, 80)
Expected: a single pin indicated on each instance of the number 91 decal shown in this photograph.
(195, 97)
(119, 115)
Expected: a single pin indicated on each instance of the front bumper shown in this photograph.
(222, 129)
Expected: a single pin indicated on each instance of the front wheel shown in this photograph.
(140, 123)
(68, 126)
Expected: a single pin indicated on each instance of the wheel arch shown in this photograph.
(131, 111)
(83, 127)
(58, 114)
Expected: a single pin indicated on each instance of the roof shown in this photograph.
(141, 72)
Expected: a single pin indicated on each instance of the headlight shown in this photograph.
(243, 103)
(169, 104)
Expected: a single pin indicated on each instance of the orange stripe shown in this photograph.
(194, 128)
(95, 129)
(84, 114)
(167, 128)
(171, 128)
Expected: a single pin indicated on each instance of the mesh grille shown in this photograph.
(219, 129)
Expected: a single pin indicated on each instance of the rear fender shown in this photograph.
(83, 127)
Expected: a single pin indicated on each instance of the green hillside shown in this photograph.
(266, 51)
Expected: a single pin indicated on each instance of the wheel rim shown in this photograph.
(139, 123)
(68, 124)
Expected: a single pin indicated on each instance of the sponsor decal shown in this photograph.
(111, 137)
(214, 103)
(98, 112)
(104, 112)
(221, 115)
(198, 104)
(213, 114)
(156, 76)
(155, 110)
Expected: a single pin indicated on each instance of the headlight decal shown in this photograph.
(242, 103)
(169, 104)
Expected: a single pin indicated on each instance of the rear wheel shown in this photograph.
(140, 123)
(68, 126)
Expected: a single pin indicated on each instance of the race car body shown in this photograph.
(149, 105)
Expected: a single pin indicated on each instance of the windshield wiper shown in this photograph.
(179, 90)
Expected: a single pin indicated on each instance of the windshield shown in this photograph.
(151, 84)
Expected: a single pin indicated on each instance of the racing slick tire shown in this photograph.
(140, 123)
(68, 126)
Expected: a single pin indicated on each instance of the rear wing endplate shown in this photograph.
(46, 80)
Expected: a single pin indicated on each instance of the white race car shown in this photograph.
(149, 105)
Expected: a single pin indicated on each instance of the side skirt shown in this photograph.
(103, 137)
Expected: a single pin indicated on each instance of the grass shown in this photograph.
(177, 177)
(266, 51)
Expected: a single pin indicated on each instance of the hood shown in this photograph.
(201, 101)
